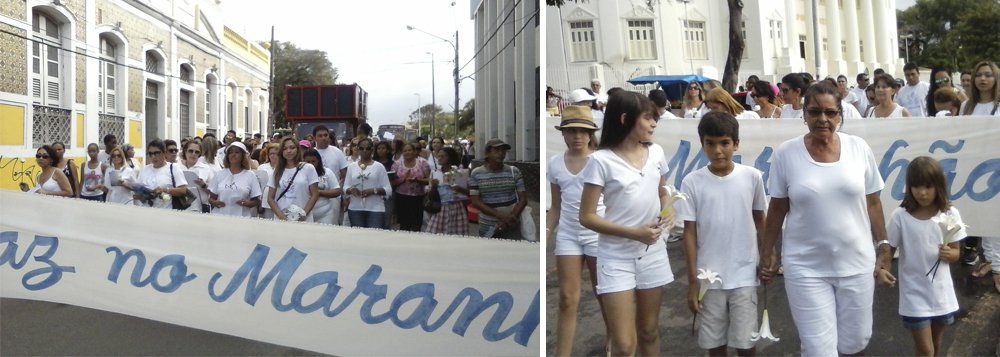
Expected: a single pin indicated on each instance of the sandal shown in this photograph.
(981, 270)
(996, 280)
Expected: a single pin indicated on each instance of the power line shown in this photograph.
(526, 23)
(220, 85)
(487, 42)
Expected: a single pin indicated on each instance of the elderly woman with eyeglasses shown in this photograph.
(51, 181)
(235, 190)
(161, 177)
(825, 204)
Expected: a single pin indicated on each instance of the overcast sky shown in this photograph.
(368, 43)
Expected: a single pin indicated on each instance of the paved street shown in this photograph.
(974, 333)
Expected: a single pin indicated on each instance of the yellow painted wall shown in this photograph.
(13, 171)
(79, 130)
(135, 133)
(11, 125)
(200, 133)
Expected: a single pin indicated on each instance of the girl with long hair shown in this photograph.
(66, 165)
(92, 172)
(693, 101)
(452, 219)
(327, 209)
(294, 185)
(885, 90)
(119, 178)
(766, 99)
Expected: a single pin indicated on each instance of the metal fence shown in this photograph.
(50, 125)
(110, 124)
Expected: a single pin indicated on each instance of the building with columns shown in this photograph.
(617, 40)
(73, 71)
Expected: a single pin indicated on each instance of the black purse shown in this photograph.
(180, 203)
(432, 202)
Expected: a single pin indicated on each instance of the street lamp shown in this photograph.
(433, 95)
(454, 45)
(906, 46)
(418, 114)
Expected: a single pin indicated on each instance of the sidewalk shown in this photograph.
(974, 333)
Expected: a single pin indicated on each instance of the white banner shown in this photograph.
(328, 289)
(966, 147)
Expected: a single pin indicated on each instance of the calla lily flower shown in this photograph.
(949, 224)
(710, 277)
(765, 330)
(673, 195)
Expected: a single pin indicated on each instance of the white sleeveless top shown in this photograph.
(91, 178)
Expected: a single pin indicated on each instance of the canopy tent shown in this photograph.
(673, 85)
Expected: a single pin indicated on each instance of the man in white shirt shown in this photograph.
(859, 92)
(913, 96)
(602, 98)
(333, 158)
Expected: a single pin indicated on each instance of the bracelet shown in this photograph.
(881, 242)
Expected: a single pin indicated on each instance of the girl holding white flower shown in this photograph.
(629, 170)
(927, 230)
(366, 184)
(294, 185)
(328, 206)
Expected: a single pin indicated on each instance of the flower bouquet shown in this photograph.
(294, 213)
(949, 225)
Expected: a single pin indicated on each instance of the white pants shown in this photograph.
(991, 250)
(832, 314)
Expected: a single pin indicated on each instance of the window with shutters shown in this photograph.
(185, 112)
(694, 40)
(583, 45)
(641, 40)
(107, 76)
(46, 60)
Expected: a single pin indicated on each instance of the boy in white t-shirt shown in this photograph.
(723, 219)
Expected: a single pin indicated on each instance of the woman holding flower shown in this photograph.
(164, 180)
(926, 229)
(366, 185)
(826, 183)
(294, 185)
(452, 218)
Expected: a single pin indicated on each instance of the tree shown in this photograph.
(730, 74)
(423, 117)
(467, 119)
(952, 33)
(294, 67)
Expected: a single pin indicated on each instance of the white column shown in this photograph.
(794, 62)
(835, 56)
(867, 30)
(882, 42)
(851, 25)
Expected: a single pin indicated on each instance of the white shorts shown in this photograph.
(576, 244)
(991, 251)
(728, 318)
(832, 314)
(649, 271)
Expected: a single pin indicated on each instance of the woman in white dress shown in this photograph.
(327, 209)
(235, 190)
(51, 181)
(885, 91)
(294, 185)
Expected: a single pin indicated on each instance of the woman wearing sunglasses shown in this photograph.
(940, 78)
(51, 181)
(162, 177)
(119, 178)
(694, 101)
(366, 184)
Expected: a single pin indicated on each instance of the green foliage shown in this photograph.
(294, 67)
(952, 33)
(467, 119)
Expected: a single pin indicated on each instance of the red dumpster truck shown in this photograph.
(340, 107)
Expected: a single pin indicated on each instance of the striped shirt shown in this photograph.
(496, 188)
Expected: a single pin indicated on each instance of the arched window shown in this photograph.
(46, 59)
(108, 75)
(186, 99)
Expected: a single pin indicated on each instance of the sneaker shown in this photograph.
(970, 256)
(674, 238)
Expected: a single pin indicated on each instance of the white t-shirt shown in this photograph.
(748, 114)
(723, 209)
(153, 177)
(265, 167)
(862, 103)
(914, 98)
(116, 192)
(985, 109)
(333, 158)
(570, 189)
(373, 176)
(850, 112)
(631, 198)
(326, 182)
(918, 242)
(696, 114)
(790, 113)
(298, 193)
(205, 174)
(232, 188)
(827, 231)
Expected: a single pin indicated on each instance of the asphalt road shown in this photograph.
(975, 333)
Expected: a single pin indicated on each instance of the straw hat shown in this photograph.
(577, 116)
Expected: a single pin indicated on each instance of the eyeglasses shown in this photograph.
(196, 152)
(830, 113)
(172, 151)
(694, 88)
(364, 148)
(941, 81)
(40, 156)
(114, 156)
(153, 153)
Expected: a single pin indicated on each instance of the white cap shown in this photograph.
(580, 95)
(239, 145)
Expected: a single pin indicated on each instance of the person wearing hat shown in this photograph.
(497, 191)
(235, 190)
(575, 244)
(586, 97)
